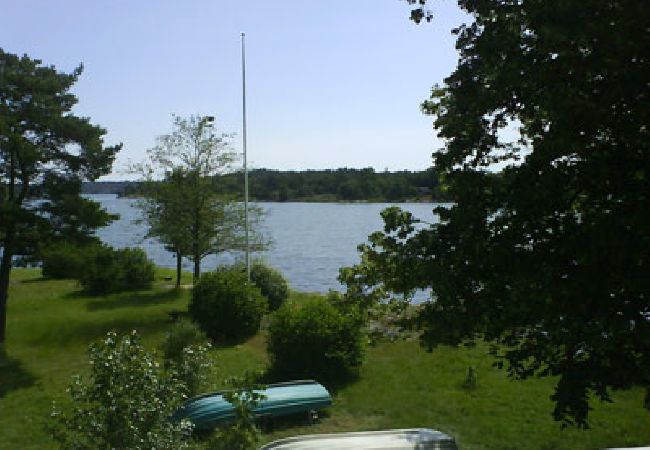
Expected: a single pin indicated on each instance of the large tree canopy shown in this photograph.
(545, 251)
(45, 153)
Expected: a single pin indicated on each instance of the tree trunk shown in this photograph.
(195, 246)
(5, 270)
(179, 259)
(197, 267)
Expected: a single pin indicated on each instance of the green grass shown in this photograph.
(50, 324)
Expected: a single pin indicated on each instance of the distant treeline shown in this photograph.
(313, 185)
(108, 187)
(334, 184)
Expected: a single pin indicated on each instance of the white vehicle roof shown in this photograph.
(417, 438)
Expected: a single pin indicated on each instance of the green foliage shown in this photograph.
(101, 273)
(271, 283)
(342, 184)
(65, 260)
(182, 333)
(419, 12)
(45, 153)
(165, 209)
(336, 184)
(547, 259)
(109, 270)
(315, 339)
(242, 434)
(226, 306)
(185, 210)
(190, 368)
(185, 350)
(391, 321)
(138, 270)
(48, 344)
(125, 402)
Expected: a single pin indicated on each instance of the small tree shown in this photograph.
(164, 207)
(185, 209)
(243, 433)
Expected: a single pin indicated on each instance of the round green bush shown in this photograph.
(101, 272)
(226, 306)
(272, 284)
(109, 270)
(64, 260)
(181, 334)
(314, 339)
(137, 270)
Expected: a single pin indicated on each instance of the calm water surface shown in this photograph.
(311, 241)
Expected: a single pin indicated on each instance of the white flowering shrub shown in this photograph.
(190, 368)
(125, 402)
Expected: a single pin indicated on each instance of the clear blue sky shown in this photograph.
(330, 83)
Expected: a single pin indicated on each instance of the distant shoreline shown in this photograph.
(306, 200)
(312, 186)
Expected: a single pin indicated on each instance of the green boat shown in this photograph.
(282, 399)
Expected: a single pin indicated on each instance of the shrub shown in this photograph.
(191, 367)
(65, 260)
(181, 334)
(185, 352)
(109, 270)
(226, 306)
(125, 402)
(242, 433)
(314, 339)
(101, 273)
(271, 283)
(137, 270)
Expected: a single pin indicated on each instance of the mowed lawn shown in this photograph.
(51, 323)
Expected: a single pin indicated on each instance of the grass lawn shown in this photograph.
(50, 324)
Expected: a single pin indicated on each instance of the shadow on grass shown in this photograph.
(41, 280)
(333, 382)
(12, 374)
(128, 299)
(275, 424)
(66, 334)
(223, 344)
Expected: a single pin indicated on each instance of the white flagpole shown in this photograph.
(243, 77)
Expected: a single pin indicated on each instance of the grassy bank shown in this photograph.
(51, 323)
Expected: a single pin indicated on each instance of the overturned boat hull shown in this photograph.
(210, 410)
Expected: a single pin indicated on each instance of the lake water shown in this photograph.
(311, 241)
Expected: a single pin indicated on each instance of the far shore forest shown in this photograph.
(327, 185)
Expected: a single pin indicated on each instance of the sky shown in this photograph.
(330, 83)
